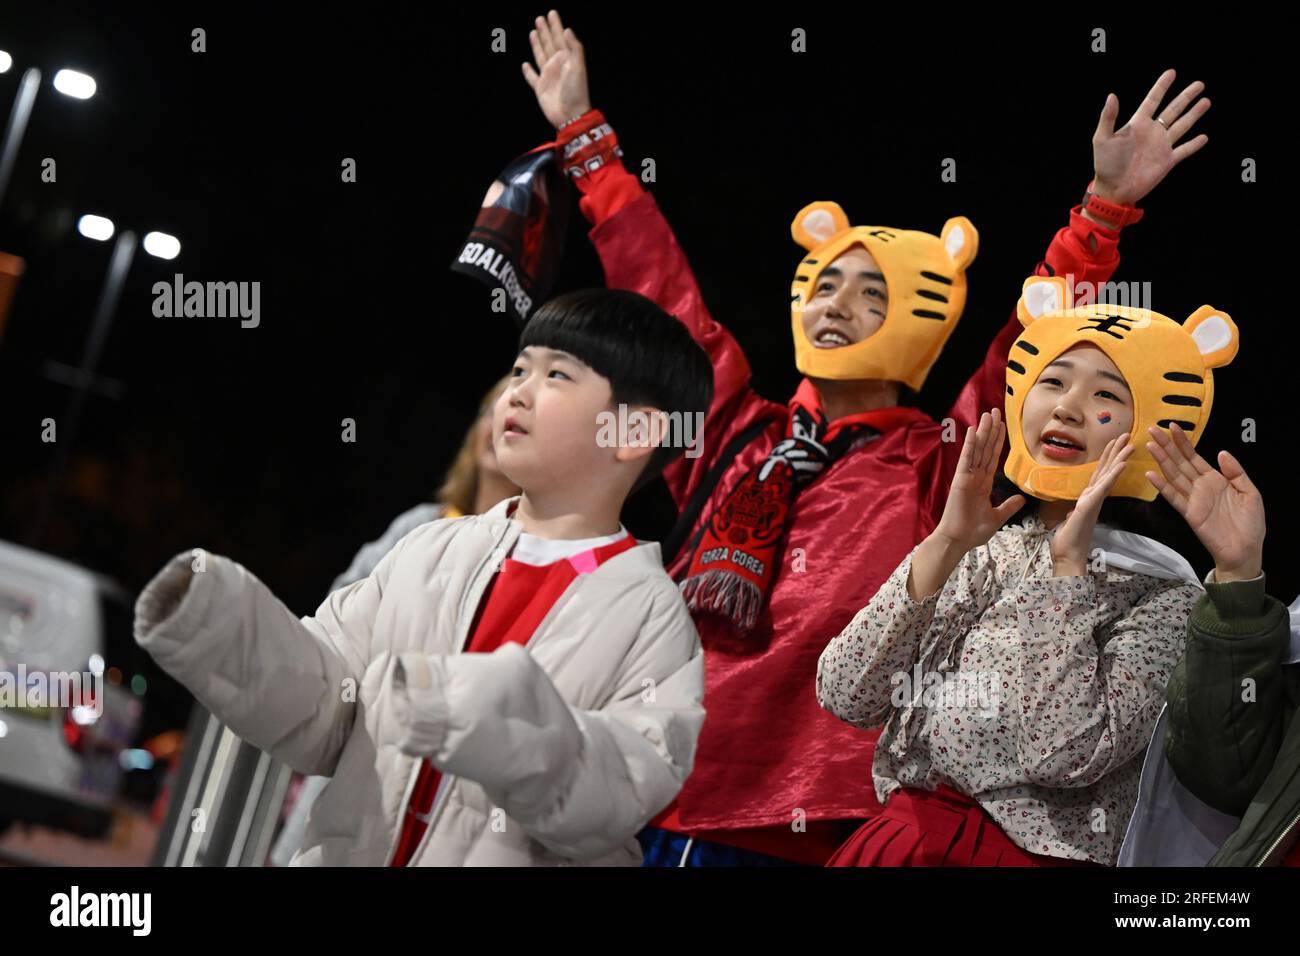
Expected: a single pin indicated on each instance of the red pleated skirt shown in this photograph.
(936, 828)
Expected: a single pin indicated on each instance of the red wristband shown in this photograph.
(586, 144)
(1121, 216)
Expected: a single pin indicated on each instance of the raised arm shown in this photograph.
(276, 680)
(1229, 700)
(637, 247)
(944, 579)
(1086, 249)
(858, 673)
(1228, 708)
(1127, 165)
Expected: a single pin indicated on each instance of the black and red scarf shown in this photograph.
(732, 565)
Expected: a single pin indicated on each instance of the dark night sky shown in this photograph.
(229, 438)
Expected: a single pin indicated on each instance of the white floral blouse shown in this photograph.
(1035, 695)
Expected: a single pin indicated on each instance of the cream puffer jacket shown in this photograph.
(554, 753)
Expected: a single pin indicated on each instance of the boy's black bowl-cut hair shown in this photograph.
(648, 356)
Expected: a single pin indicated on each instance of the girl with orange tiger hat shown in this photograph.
(1019, 670)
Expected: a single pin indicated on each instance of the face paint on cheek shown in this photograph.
(1103, 418)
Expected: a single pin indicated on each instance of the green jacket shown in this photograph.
(1240, 756)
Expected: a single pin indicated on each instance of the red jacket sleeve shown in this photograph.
(639, 252)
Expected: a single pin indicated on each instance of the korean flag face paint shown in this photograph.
(1081, 383)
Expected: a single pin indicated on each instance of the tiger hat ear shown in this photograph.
(817, 222)
(961, 241)
(1040, 295)
(1215, 335)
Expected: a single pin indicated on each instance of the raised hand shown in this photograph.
(560, 79)
(1224, 509)
(969, 518)
(1073, 539)
(1130, 162)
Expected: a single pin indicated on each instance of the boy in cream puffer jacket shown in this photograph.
(520, 687)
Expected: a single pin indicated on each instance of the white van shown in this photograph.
(58, 765)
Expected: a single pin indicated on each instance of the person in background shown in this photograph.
(473, 484)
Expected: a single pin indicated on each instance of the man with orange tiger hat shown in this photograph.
(797, 512)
